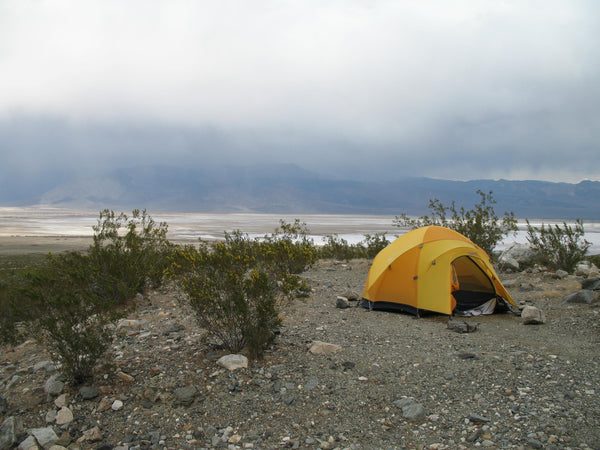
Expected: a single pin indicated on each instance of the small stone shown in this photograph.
(476, 418)
(311, 383)
(462, 327)
(532, 315)
(125, 377)
(91, 435)
(28, 444)
(185, 395)
(88, 392)
(54, 385)
(534, 443)
(342, 302)
(104, 404)
(61, 401)
(233, 362)
(46, 437)
(323, 348)
(64, 416)
(117, 405)
(413, 412)
(47, 366)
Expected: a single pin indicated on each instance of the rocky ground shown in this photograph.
(395, 382)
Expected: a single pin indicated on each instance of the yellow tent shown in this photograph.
(435, 269)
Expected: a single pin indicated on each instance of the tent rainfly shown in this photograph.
(435, 269)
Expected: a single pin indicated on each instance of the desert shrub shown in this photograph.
(65, 310)
(480, 224)
(336, 247)
(373, 244)
(594, 259)
(236, 286)
(559, 247)
(128, 252)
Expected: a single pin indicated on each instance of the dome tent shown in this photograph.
(435, 269)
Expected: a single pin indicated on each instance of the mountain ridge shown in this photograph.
(292, 189)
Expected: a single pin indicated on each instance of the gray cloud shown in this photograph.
(464, 90)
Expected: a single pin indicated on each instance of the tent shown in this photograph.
(435, 269)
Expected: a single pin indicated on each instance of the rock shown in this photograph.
(54, 385)
(125, 377)
(561, 274)
(125, 326)
(324, 348)
(46, 437)
(517, 256)
(117, 405)
(586, 269)
(233, 362)
(462, 327)
(10, 430)
(61, 400)
(3, 405)
(47, 366)
(342, 302)
(411, 410)
(476, 418)
(104, 404)
(51, 416)
(532, 315)
(311, 383)
(64, 416)
(88, 392)
(185, 395)
(91, 435)
(591, 284)
(534, 443)
(583, 296)
(29, 443)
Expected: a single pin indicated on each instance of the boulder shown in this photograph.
(233, 362)
(323, 348)
(532, 315)
(586, 296)
(517, 256)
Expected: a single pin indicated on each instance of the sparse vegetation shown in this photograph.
(559, 247)
(480, 224)
(236, 286)
(69, 300)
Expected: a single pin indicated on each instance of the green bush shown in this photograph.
(335, 247)
(128, 252)
(373, 244)
(236, 286)
(480, 224)
(65, 310)
(71, 299)
(559, 247)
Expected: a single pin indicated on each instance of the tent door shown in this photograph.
(471, 285)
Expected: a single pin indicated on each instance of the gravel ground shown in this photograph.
(396, 382)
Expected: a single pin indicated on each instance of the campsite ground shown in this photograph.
(507, 385)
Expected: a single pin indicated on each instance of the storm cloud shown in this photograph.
(459, 90)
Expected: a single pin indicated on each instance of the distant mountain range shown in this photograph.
(291, 189)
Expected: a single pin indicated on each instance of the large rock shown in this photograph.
(532, 316)
(323, 348)
(233, 362)
(10, 430)
(586, 296)
(517, 256)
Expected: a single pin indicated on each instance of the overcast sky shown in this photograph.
(448, 88)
